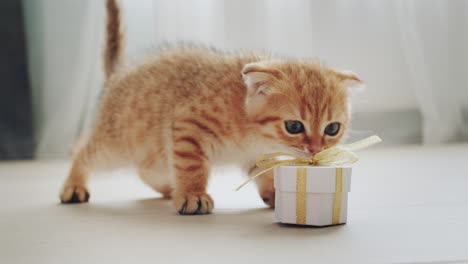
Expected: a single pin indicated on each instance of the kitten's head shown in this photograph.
(301, 107)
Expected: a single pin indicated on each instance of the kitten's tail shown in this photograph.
(114, 38)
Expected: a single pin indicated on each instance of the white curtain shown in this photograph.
(64, 64)
(413, 55)
(434, 38)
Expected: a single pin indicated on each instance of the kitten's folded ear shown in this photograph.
(258, 77)
(349, 79)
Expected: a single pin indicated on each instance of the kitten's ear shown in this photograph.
(258, 77)
(349, 79)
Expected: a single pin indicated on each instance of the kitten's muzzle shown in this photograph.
(313, 149)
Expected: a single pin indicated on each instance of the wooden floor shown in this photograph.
(407, 205)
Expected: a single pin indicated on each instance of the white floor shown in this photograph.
(407, 205)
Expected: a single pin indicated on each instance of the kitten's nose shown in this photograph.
(313, 149)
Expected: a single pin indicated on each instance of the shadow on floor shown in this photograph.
(159, 213)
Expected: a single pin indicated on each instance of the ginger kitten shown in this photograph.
(189, 108)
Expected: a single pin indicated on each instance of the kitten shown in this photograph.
(189, 108)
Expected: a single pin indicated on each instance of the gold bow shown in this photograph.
(334, 156)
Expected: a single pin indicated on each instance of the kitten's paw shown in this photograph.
(268, 196)
(166, 191)
(74, 194)
(194, 203)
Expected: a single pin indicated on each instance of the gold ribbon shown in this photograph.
(334, 156)
(301, 195)
(338, 196)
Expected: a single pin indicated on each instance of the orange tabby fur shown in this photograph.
(189, 108)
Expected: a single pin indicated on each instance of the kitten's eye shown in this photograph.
(294, 127)
(332, 129)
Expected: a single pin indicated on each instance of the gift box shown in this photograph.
(312, 191)
(312, 195)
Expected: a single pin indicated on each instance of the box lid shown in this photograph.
(319, 179)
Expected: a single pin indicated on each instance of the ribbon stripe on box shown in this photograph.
(301, 193)
(338, 196)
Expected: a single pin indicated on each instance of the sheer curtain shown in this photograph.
(412, 55)
(64, 52)
(434, 38)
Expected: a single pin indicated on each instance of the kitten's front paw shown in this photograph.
(74, 194)
(193, 203)
(268, 196)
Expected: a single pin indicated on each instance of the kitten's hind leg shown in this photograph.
(75, 188)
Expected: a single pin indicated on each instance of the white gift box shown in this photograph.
(312, 195)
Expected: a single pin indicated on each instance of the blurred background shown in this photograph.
(413, 56)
